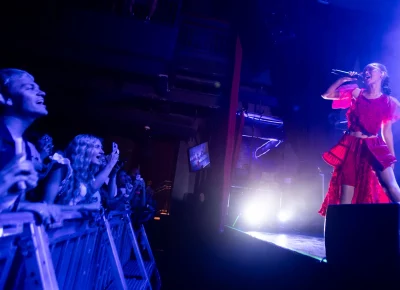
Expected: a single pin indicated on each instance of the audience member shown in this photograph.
(79, 179)
(139, 190)
(44, 145)
(125, 192)
(42, 149)
(151, 203)
(22, 102)
(73, 183)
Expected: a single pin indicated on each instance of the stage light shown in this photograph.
(284, 216)
(282, 240)
(254, 213)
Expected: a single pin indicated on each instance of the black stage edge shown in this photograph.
(264, 264)
(292, 261)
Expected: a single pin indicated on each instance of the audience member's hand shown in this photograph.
(91, 206)
(16, 171)
(129, 187)
(37, 164)
(55, 212)
(50, 213)
(112, 159)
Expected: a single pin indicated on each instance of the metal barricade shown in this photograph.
(81, 252)
(25, 258)
(83, 255)
(128, 250)
(148, 259)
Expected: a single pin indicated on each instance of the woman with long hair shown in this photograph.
(72, 184)
(363, 160)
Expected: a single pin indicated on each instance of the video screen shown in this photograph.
(199, 157)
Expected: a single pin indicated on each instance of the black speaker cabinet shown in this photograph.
(363, 238)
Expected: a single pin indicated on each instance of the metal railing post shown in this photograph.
(114, 258)
(39, 265)
(136, 249)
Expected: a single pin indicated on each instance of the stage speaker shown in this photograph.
(363, 238)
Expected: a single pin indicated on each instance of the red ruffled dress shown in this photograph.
(354, 159)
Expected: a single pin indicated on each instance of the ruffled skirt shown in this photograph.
(368, 155)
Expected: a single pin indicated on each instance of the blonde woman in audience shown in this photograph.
(73, 183)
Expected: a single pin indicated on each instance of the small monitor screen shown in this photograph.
(199, 158)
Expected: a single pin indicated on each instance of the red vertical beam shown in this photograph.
(230, 133)
(238, 140)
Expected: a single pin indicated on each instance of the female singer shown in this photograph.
(362, 159)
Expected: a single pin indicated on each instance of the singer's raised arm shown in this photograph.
(332, 93)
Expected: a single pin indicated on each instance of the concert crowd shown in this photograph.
(81, 177)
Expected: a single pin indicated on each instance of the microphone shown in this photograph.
(342, 73)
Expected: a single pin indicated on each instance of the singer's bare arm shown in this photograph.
(387, 136)
(396, 101)
(387, 133)
(332, 93)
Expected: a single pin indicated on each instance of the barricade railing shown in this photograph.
(138, 263)
(84, 251)
(24, 241)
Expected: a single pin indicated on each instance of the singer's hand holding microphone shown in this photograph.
(347, 76)
(15, 171)
(350, 78)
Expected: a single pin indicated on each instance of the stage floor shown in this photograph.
(306, 245)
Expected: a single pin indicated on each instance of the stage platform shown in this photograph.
(281, 260)
(307, 245)
(310, 246)
(299, 262)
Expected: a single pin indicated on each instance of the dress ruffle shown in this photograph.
(374, 149)
(394, 110)
(370, 154)
(345, 96)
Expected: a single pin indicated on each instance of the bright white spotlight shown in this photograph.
(282, 240)
(284, 216)
(254, 213)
